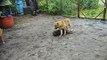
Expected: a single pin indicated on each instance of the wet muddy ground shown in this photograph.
(31, 39)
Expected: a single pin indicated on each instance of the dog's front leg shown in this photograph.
(61, 31)
(1, 40)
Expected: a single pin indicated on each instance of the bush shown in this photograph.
(54, 7)
(87, 4)
(69, 7)
(42, 5)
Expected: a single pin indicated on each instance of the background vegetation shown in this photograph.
(90, 8)
(68, 7)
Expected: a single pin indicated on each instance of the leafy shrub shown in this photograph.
(69, 7)
(54, 7)
(89, 4)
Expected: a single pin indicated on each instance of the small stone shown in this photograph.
(97, 56)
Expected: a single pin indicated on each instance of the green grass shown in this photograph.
(92, 13)
(106, 15)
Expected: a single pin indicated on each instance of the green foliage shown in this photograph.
(90, 13)
(54, 7)
(42, 5)
(69, 7)
(13, 6)
(106, 15)
(93, 12)
(89, 4)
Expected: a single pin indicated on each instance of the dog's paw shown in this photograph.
(3, 42)
(70, 31)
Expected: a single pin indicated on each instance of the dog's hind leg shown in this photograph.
(69, 25)
(65, 31)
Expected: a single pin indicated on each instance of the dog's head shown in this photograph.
(57, 25)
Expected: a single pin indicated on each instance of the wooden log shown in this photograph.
(46, 5)
(78, 9)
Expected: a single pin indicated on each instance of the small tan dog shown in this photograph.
(63, 24)
(1, 36)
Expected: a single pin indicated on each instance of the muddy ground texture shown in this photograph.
(31, 39)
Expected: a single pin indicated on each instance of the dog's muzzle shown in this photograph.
(55, 27)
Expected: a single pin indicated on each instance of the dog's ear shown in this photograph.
(57, 23)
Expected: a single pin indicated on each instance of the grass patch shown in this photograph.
(92, 13)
